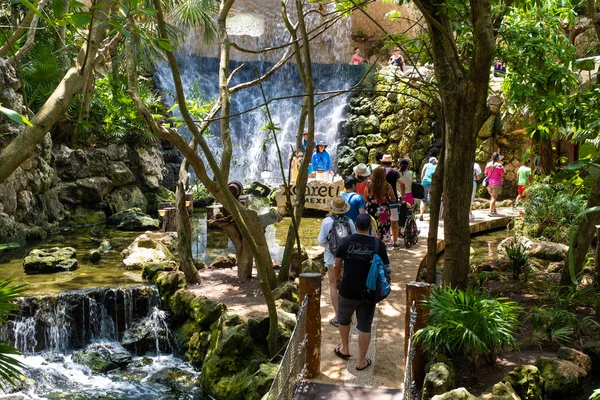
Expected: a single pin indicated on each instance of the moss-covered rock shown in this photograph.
(456, 394)
(287, 306)
(232, 359)
(161, 195)
(504, 391)
(375, 140)
(149, 270)
(133, 219)
(180, 304)
(389, 124)
(288, 291)
(560, 376)
(206, 311)
(439, 379)
(127, 197)
(381, 106)
(173, 377)
(259, 328)
(81, 216)
(361, 154)
(193, 341)
(94, 360)
(224, 261)
(527, 381)
(168, 283)
(365, 125)
(581, 359)
(48, 261)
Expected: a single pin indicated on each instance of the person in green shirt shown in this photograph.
(525, 178)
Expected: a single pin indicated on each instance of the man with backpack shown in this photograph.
(352, 265)
(334, 228)
(356, 201)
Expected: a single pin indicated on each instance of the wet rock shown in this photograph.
(592, 349)
(456, 394)
(527, 382)
(548, 250)
(560, 376)
(53, 357)
(94, 360)
(288, 291)
(361, 154)
(144, 336)
(504, 391)
(206, 311)
(173, 377)
(259, 189)
(439, 380)
(133, 220)
(47, 261)
(581, 359)
(150, 269)
(224, 261)
(193, 342)
(125, 198)
(122, 358)
(85, 191)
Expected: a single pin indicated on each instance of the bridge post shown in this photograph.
(417, 292)
(310, 284)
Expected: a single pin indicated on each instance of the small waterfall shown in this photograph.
(58, 323)
(254, 152)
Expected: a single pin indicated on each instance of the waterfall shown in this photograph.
(254, 152)
(58, 323)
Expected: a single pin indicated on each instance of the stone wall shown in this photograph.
(57, 185)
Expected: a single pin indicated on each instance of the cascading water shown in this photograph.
(83, 345)
(254, 152)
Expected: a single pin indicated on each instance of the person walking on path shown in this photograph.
(426, 176)
(525, 178)
(393, 177)
(356, 201)
(476, 174)
(361, 173)
(378, 196)
(321, 162)
(334, 228)
(407, 180)
(494, 171)
(351, 268)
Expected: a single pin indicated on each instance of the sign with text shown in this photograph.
(317, 196)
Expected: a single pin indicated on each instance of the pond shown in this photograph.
(207, 243)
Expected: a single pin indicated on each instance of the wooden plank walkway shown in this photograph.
(384, 380)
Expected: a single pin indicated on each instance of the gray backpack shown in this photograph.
(339, 230)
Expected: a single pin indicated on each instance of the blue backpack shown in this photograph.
(378, 280)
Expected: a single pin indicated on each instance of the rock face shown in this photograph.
(561, 377)
(133, 219)
(48, 261)
(527, 382)
(439, 380)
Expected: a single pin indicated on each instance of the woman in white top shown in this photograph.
(407, 177)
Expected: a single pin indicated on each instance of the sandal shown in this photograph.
(338, 352)
(366, 366)
(334, 322)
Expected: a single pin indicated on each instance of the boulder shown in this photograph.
(259, 328)
(365, 125)
(287, 306)
(439, 380)
(592, 349)
(125, 198)
(99, 161)
(224, 261)
(361, 154)
(133, 220)
(375, 140)
(149, 248)
(259, 189)
(151, 269)
(560, 376)
(48, 261)
(193, 342)
(504, 391)
(85, 191)
(548, 250)
(148, 335)
(180, 305)
(456, 394)
(581, 359)
(120, 174)
(206, 311)
(70, 164)
(288, 291)
(389, 124)
(150, 167)
(521, 239)
(173, 377)
(555, 267)
(97, 362)
(527, 382)
(169, 282)
(382, 106)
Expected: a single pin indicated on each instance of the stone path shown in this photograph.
(387, 343)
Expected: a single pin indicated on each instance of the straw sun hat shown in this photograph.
(339, 205)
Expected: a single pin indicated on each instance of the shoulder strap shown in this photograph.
(376, 245)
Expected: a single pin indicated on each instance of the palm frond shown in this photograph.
(195, 14)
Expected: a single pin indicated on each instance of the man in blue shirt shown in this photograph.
(305, 142)
(356, 201)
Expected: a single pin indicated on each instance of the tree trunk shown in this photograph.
(546, 155)
(434, 217)
(583, 236)
(55, 107)
(597, 261)
(245, 258)
(184, 237)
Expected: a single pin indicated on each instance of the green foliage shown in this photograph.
(555, 325)
(201, 194)
(114, 117)
(9, 371)
(595, 395)
(469, 323)
(517, 257)
(41, 74)
(551, 210)
(15, 116)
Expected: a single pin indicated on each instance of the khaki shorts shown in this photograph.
(494, 190)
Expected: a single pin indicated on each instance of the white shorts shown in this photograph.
(394, 213)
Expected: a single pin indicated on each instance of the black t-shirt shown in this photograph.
(391, 176)
(357, 252)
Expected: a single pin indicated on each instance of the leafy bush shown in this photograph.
(517, 257)
(551, 211)
(470, 323)
(552, 324)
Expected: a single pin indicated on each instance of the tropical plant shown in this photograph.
(517, 257)
(551, 324)
(551, 211)
(9, 366)
(595, 395)
(468, 322)
(201, 194)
